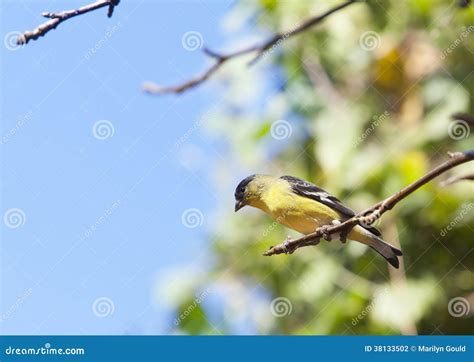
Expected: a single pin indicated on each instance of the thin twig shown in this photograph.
(466, 117)
(58, 18)
(454, 179)
(259, 49)
(373, 213)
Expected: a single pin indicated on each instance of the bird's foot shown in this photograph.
(324, 232)
(286, 245)
(343, 233)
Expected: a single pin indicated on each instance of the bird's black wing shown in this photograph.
(311, 191)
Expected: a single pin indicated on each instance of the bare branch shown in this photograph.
(58, 18)
(373, 213)
(466, 117)
(454, 179)
(259, 49)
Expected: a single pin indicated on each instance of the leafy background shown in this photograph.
(366, 100)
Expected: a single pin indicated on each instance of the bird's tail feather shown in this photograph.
(388, 251)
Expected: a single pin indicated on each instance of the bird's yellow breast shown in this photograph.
(296, 212)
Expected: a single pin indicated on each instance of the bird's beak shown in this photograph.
(238, 205)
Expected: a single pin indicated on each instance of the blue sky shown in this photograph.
(100, 218)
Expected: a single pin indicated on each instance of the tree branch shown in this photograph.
(454, 179)
(259, 49)
(373, 213)
(58, 18)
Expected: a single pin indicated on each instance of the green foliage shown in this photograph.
(363, 125)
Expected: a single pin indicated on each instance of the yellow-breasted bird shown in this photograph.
(304, 207)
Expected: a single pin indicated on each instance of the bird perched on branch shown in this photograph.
(304, 207)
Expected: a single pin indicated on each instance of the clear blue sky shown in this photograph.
(100, 217)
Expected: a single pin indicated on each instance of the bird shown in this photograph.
(304, 207)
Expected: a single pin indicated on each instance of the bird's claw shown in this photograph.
(324, 232)
(286, 245)
(343, 236)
